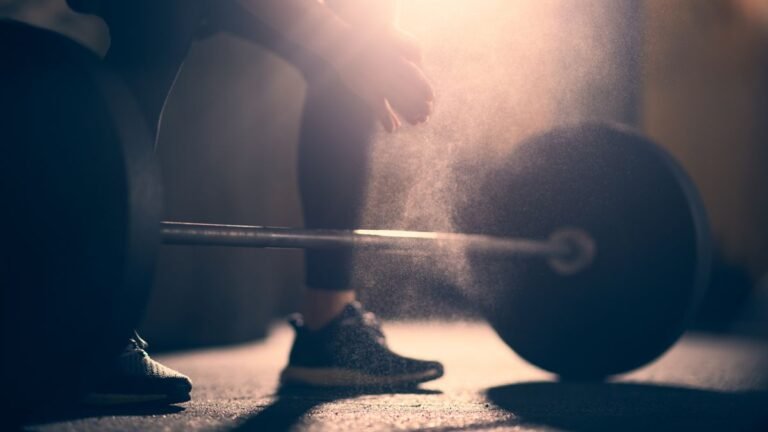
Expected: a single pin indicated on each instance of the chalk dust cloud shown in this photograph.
(502, 70)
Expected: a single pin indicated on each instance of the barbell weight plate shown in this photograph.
(651, 260)
(83, 209)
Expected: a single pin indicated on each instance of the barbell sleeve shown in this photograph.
(185, 233)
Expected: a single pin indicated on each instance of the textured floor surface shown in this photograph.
(703, 383)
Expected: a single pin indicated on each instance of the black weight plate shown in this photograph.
(82, 210)
(652, 256)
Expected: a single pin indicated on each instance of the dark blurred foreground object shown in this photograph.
(82, 202)
(86, 195)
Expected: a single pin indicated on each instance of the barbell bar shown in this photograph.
(568, 250)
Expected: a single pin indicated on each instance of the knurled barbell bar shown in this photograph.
(619, 227)
(567, 250)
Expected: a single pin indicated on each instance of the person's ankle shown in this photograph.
(321, 306)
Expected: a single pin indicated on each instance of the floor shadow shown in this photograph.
(63, 413)
(631, 407)
(292, 403)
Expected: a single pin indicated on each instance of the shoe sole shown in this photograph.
(334, 377)
(116, 399)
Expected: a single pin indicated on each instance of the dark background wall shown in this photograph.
(706, 98)
(691, 74)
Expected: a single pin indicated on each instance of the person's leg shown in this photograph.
(320, 306)
(337, 342)
(335, 145)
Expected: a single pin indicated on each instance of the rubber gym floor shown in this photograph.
(703, 383)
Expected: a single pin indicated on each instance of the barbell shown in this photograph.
(567, 250)
(589, 246)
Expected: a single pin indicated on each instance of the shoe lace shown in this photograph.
(373, 325)
(136, 345)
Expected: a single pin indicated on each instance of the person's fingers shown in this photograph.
(410, 93)
(410, 109)
(386, 115)
(395, 120)
(417, 80)
(412, 112)
(406, 46)
(425, 115)
(390, 82)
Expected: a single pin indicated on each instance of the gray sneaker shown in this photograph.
(351, 351)
(135, 378)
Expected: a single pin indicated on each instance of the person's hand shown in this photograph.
(384, 70)
(360, 40)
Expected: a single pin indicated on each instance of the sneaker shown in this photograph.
(135, 378)
(351, 351)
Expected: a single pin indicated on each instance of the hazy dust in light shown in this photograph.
(502, 70)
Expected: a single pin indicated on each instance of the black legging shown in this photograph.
(334, 147)
(336, 128)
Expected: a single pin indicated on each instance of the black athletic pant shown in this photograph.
(334, 148)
